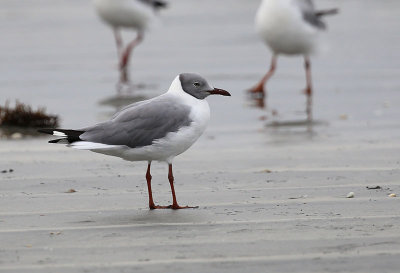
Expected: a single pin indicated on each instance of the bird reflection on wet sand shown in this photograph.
(120, 100)
(134, 15)
(274, 120)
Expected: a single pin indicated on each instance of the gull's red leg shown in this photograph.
(125, 56)
(171, 182)
(151, 202)
(148, 178)
(308, 90)
(259, 88)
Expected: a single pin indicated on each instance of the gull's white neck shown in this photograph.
(176, 87)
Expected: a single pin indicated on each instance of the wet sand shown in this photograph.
(271, 198)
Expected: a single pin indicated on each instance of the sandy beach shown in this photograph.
(271, 191)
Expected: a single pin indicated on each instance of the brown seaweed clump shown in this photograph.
(24, 116)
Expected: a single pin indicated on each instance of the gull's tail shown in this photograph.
(66, 136)
(73, 140)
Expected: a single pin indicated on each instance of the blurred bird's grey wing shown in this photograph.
(327, 12)
(139, 125)
(309, 14)
(156, 4)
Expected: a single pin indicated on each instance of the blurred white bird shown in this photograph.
(135, 14)
(289, 27)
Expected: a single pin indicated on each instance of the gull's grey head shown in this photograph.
(198, 87)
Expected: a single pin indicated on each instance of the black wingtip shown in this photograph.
(67, 135)
(59, 141)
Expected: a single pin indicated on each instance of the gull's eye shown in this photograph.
(197, 84)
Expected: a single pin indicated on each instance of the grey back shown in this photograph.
(140, 124)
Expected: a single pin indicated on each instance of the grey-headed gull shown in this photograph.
(290, 27)
(135, 14)
(156, 129)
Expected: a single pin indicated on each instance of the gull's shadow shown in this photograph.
(146, 217)
(168, 216)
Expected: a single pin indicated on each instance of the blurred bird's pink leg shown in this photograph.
(125, 56)
(171, 182)
(118, 41)
(308, 90)
(259, 88)
(151, 202)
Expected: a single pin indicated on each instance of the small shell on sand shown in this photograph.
(16, 136)
(350, 195)
(392, 195)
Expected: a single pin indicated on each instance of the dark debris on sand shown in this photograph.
(23, 121)
(24, 116)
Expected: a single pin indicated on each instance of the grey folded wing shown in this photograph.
(140, 124)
